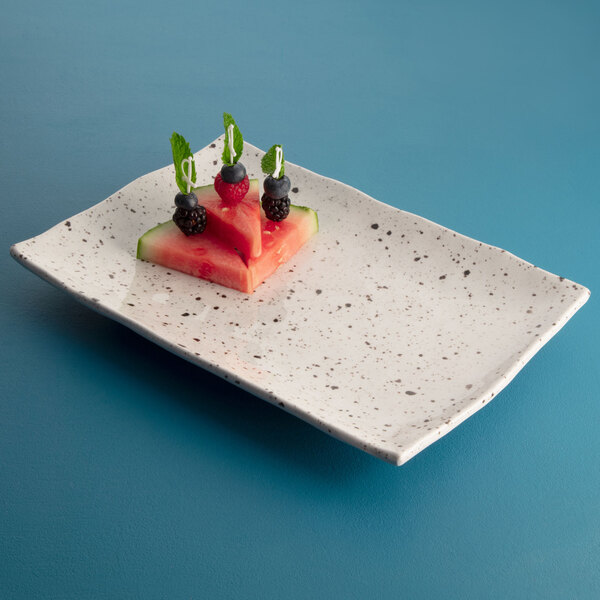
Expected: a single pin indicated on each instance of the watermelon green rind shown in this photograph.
(310, 210)
(144, 237)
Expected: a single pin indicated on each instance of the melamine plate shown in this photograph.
(386, 330)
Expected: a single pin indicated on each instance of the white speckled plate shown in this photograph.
(386, 330)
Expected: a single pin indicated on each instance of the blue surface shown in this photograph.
(127, 473)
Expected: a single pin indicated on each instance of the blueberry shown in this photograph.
(277, 188)
(187, 201)
(234, 173)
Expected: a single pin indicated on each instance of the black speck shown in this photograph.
(216, 307)
(409, 393)
(375, 226)
(68, 223)
(442, 277)
(213, 146)
(319, 291)
(186, 314)
(466, 273)
(295, 190)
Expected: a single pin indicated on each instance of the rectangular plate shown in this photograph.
(386, 330)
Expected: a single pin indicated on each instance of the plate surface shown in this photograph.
(386, 330)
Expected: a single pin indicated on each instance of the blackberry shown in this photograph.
(276, 209)
(190, 221)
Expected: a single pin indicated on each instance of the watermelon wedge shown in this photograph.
(208, 257)
(280, 241)
(236, 223)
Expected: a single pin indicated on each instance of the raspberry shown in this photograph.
(190, 221)
(231, 192)
(276, 209)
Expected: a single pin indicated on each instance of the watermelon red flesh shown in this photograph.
(280, 241)
(236, 223)
(206, 256)
(202, 255)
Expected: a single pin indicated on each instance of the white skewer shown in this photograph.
(278, 161)
(230, 142)
(186, 170)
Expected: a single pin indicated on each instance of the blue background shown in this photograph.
(126, 472)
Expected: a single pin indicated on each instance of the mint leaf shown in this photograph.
(268, 162)
(238, 140)
(181, 150)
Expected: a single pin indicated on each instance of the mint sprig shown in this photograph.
(181, 150)
(238, 140)
(269, 162)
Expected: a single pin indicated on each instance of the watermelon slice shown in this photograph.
(236, 223)
(203, 255)
(208, 257)
(280, 241)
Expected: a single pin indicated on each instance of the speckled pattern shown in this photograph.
(386, 330)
